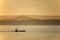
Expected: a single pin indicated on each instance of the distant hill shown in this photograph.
(27, 20)
(18, 20)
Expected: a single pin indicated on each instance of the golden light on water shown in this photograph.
(30, 35)
(1, 36)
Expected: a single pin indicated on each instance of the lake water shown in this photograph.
(33, 32)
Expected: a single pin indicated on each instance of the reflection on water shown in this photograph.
(34, 34)
(22, 36)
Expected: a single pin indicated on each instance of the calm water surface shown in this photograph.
(32, 33)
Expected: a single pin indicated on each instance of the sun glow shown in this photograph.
(30, 7)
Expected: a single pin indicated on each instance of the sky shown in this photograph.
(30, 7)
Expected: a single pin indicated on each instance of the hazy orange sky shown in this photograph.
(30, 7)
